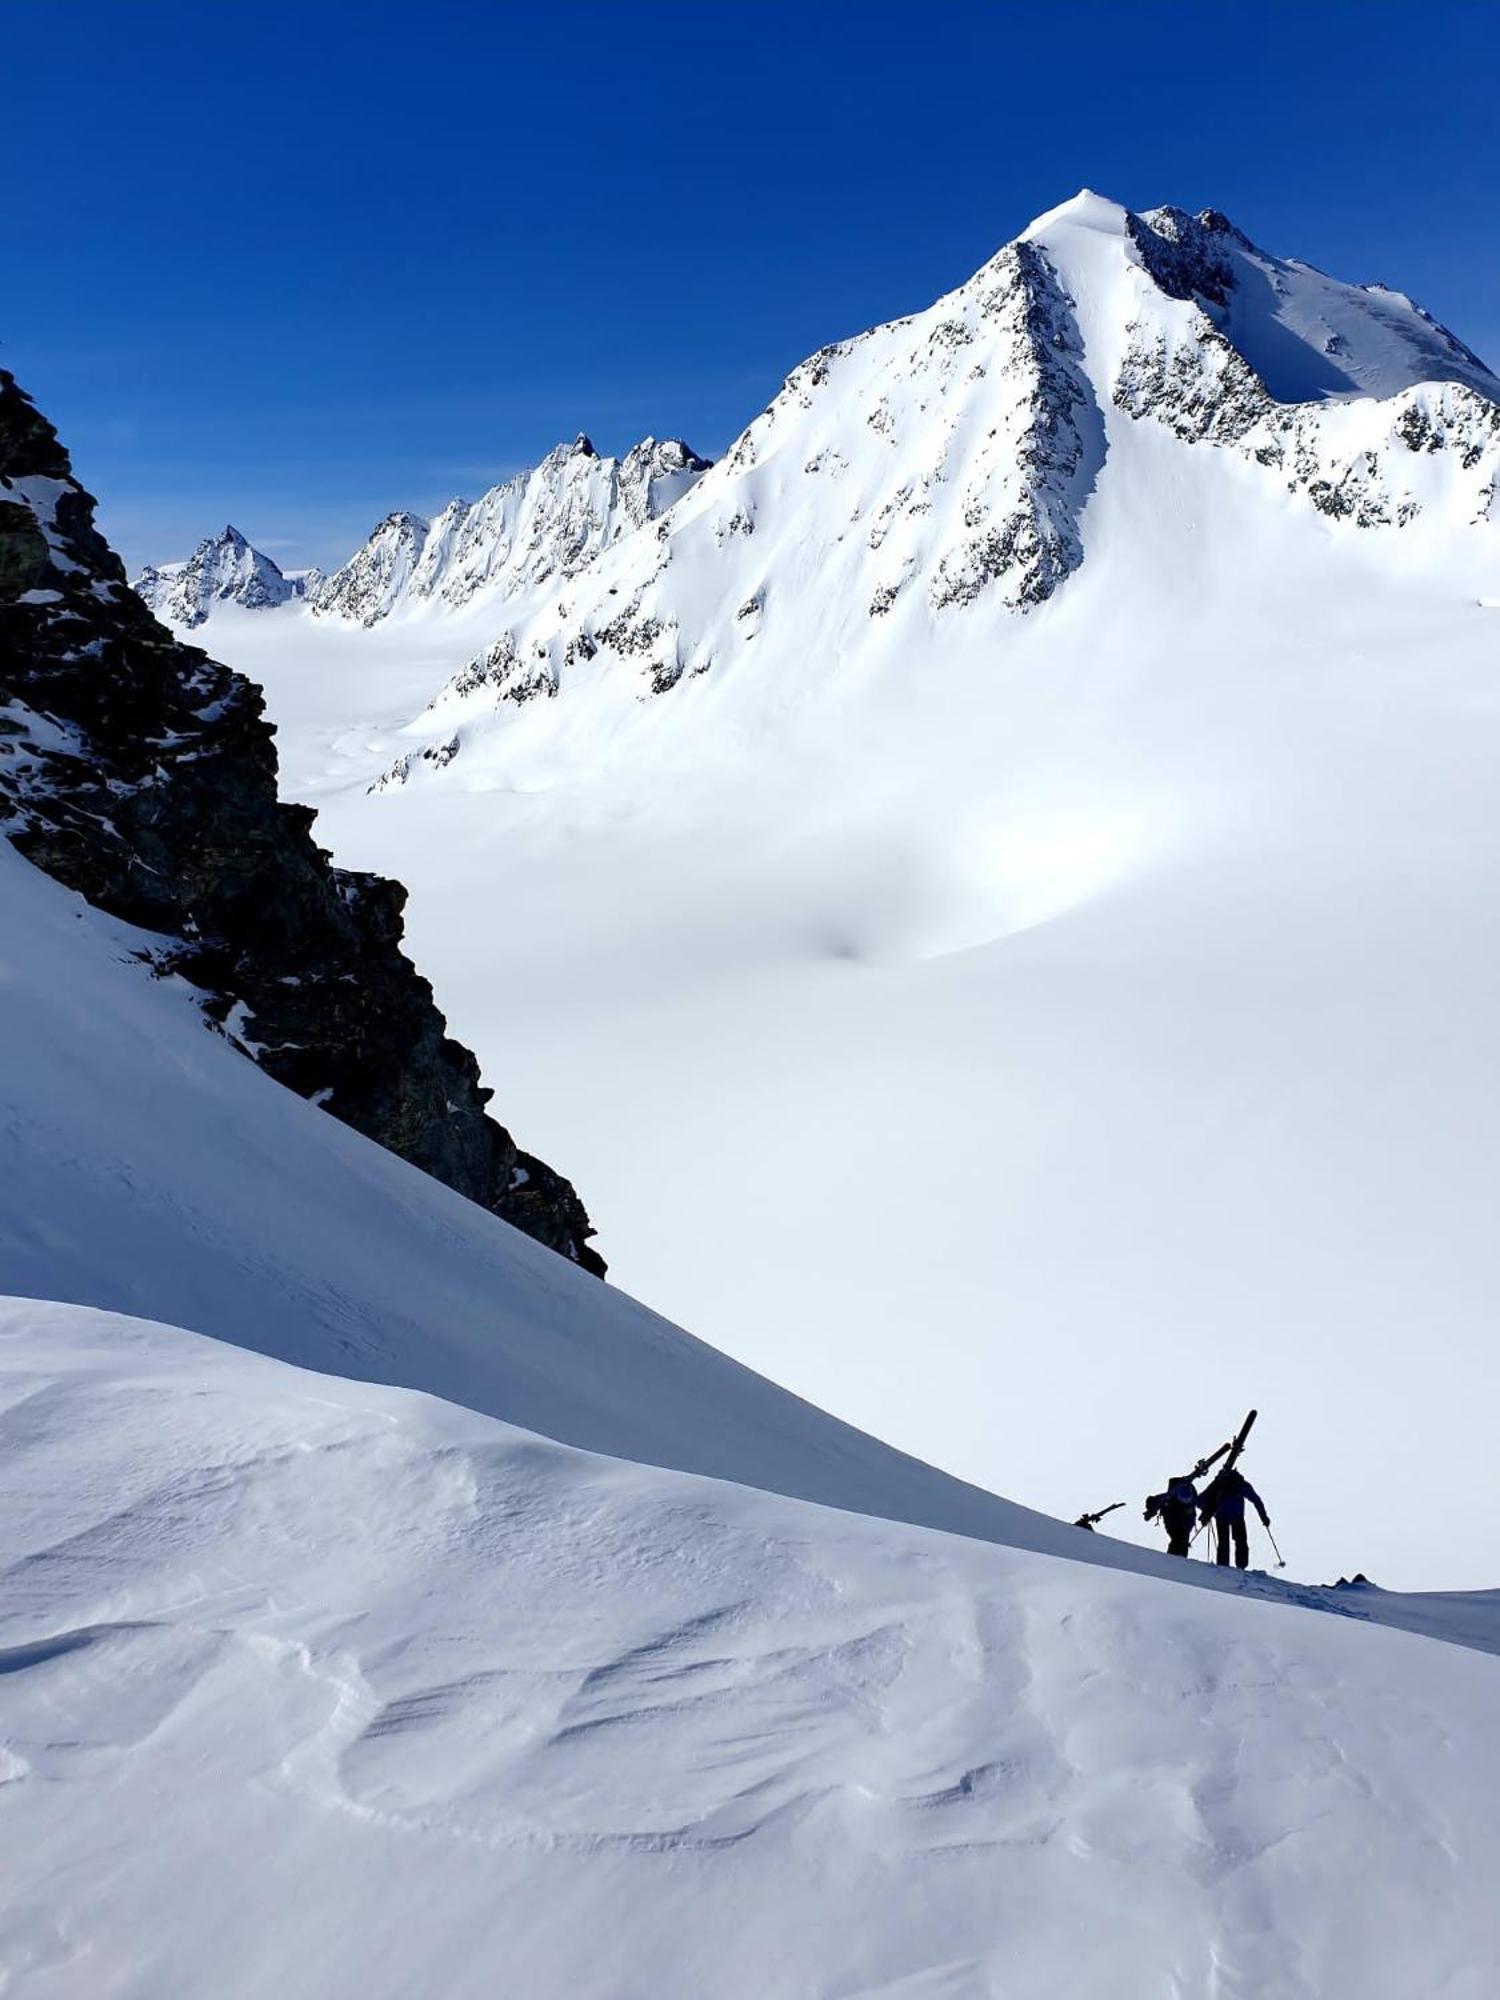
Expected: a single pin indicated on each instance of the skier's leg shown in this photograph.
(1241, 1546)
(1221, 1538)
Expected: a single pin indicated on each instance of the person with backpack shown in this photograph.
(1223, 1503)
(1177, 1508)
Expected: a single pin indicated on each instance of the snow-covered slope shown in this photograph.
(151, 1169)
(328, 1688)
(223, 569)
(1045, 1021)
(908, 485)
(544, 524)
(378, 575)
(1308, 337)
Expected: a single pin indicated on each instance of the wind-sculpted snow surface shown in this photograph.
(328, 1688)
(543, 524)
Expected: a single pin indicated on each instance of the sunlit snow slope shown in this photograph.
(996, 888)
(321, 1687)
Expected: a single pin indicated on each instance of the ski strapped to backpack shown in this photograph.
(1088, 1520)
(1228, 1452)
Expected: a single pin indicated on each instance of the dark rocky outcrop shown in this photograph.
(140, 772)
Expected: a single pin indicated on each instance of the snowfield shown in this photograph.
(321, 1687)
(310, 1683)
(1036, 1035)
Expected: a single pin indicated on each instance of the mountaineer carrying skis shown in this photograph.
(1178, 1508)
(1223, 1503)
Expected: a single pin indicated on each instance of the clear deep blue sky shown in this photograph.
(296, 265)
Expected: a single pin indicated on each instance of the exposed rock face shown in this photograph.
(1371, 461)
(542, 525)
(223, 569)
(938, 465)
(376, 577)
(1029, 548)
(140, 772)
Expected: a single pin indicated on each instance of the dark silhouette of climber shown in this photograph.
(1223, 1503)
(1178, 1508)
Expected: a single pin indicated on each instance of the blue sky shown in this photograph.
(293, 266)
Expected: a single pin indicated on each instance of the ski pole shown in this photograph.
(1280, 1560)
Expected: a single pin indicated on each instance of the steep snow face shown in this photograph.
(1266, 347)
(543, 525)
(909, 488)
(376, 577)
(150, 1168)
(931, 463)
(223, 569)
(1306, 336)
(468, 1713)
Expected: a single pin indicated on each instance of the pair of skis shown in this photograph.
(1230, 1453)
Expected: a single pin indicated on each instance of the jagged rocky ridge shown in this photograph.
(1357, 457)
(927, 477)
(141, 773)
(223, 569)
(543, 524)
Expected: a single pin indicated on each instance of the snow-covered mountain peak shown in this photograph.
(540, 525)
(912, 484)
(1084, 210)
(223, 569)
(376, 576)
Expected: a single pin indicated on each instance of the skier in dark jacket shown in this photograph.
(1223, 1503)
(1178, 1509)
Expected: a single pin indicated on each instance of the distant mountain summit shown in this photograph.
(223, 569)
(541, 525)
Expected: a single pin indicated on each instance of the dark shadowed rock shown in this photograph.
(141, 773)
